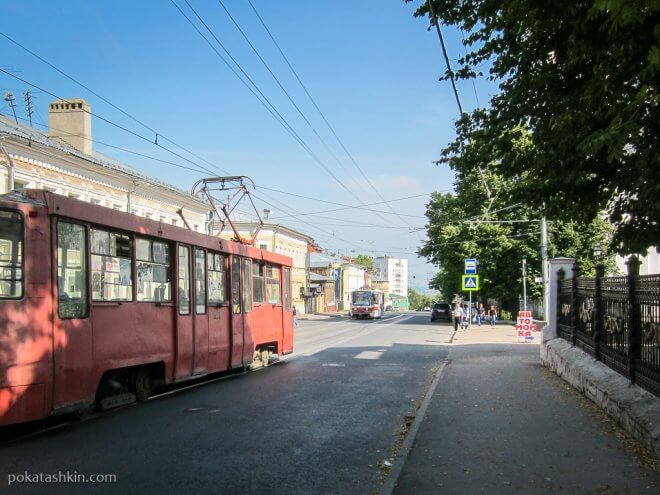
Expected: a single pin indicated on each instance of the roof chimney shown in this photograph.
(70, 121)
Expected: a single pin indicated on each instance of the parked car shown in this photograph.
(441, 311)
(426, 308)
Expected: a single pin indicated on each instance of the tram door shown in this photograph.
(185, 348)
(237, 319)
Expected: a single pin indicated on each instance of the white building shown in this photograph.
(62, 160)
(649, 264)
(395, 271)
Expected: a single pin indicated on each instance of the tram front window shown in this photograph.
(361, 298)
(11, 255)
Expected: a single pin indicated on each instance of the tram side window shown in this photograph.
(184, 280)
(112, 266)
(11, 255)
(258, 281)
(236, 284)
(154, 271)
(200, 281)
(247, 286)
(217, 278)
(273, 284)
(71, 270)
(287, 289)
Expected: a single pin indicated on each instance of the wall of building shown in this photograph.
(395, 270)
(69, 179)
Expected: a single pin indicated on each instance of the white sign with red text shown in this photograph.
(525, 326)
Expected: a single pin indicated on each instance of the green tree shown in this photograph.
(417, 300)
(577, 117)
(365, 261)
(477, 223)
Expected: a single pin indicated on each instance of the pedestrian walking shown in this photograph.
(295, 317)
(481, 313)
(492, 314)
(458, 316)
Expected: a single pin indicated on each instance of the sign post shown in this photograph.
(525, 326)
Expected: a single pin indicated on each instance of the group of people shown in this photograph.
(478, 315)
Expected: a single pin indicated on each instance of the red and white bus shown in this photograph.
(367, 304)
(99, 306)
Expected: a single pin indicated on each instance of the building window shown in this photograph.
(247, 286)
(263, 246)
(148, 216)
(71, 270)
(163, 219)
(200, 281)
(11, 255)
(174, 221)
(96, 202)
(184, 280)
(217, 278)
(154, 272)
(258, 281)
(112, 270)
(273, 284)
(134, 211)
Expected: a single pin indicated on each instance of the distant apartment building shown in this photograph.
(395, 271)
(63, 160)
(282, 240)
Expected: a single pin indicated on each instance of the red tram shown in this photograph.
(99, 306)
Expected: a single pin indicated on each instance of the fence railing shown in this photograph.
(616, 320)
(533, 305)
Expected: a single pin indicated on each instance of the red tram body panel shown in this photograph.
(93, 299)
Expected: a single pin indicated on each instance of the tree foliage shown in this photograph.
(577, 115)
(365, 261)
(417, 300)
(467, 224)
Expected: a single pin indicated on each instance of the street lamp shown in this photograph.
(598, 253)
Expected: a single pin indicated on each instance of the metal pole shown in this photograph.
(470, 311)
(544, 267)
(524, 272)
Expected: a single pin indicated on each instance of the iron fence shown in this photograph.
(616, 320)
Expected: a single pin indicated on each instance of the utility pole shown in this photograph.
(29, 109)
(544, 266)
(9, 98)
(524, 273)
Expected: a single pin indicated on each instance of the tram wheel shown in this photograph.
(143, 384)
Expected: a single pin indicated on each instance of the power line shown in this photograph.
(281, 86)
(309, 95)
(283, 121)
(101, 97)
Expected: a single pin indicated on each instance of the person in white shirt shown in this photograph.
(458, 315)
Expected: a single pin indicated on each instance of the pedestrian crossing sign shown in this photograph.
(470, 282)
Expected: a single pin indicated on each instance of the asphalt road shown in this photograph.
(326, 420)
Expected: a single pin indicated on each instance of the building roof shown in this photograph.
(32, 135)
(320, 260)
(315, 277)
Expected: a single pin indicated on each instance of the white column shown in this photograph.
(549, 332)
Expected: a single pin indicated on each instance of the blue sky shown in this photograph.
(371, 67)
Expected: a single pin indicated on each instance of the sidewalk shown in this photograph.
(500, 423)
(501, 333)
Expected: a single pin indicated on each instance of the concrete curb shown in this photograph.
(637, 410)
